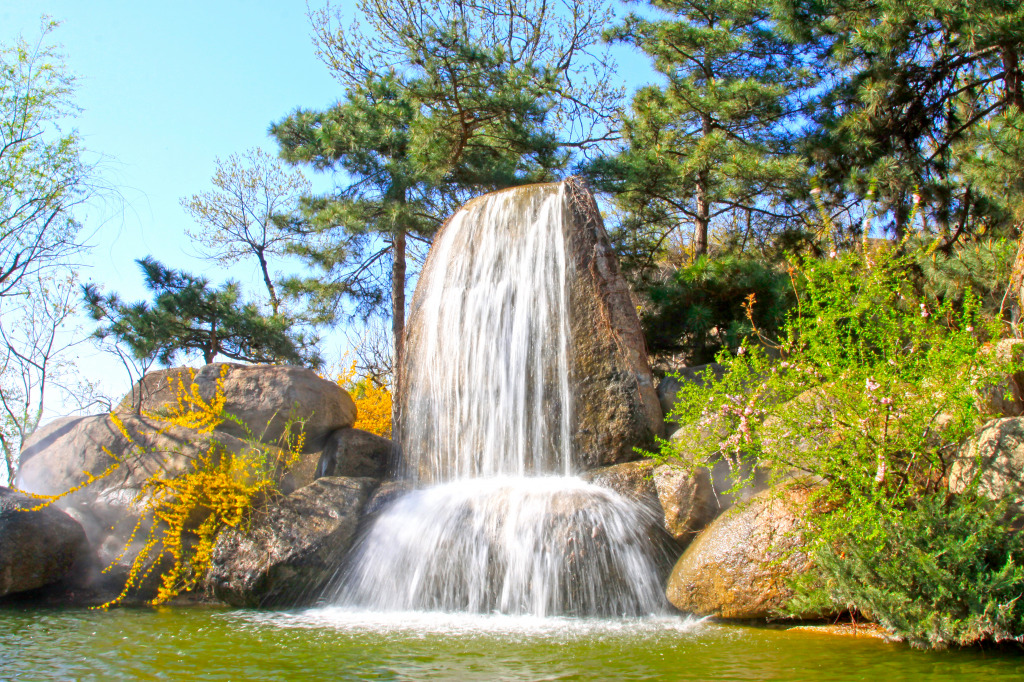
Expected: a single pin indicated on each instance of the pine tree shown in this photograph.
(712, 143)
(188, 315)
(923, 111)
(443, 99)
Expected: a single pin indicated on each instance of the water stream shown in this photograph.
(487, 424)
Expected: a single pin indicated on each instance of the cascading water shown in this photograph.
(487, 423)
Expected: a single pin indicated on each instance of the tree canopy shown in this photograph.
(189, 315)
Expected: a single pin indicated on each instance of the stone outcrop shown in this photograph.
(37, 548)
(353, 452)
(739, 566)
(615, 404)
(263, 397)
(57, 457)
(684, 501)
(293, 547)
(993, 459)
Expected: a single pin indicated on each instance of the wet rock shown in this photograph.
(615, 402)
(263, 397)
(738, 567)
(293, 547)
(993, 459)
(630, 479)
(353, 452)
(37, 548)
(385, 495)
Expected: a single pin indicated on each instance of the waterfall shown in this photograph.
(487, 426)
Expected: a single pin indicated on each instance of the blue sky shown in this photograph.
(165, 88)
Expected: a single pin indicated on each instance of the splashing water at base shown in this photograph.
(540, 546)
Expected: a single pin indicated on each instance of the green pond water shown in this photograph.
(329, 644)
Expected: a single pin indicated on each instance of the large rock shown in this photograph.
(37, 548)
(353, 452)
(488, 362)
(293, 547)
(682, 501)
(615, 402)
(687, 498)
(993, 459)
(263, 397)
(739, 567)
(62, 455)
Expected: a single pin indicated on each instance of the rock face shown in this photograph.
(684, 501)
(37, 548)
(739, 565)
(262, 396)
(293, 547)
(55, 458)
(994, 458)
(615, 401)
(353, 452)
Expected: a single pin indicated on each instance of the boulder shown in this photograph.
(385, 494)
(293, 547)
(670, 384)
(993, 459)
(1006, 398)
(37, 548)
(263, 397)
(353, 452)
(56, 457)
(687, 499)
(629, 479)
(739, 567)
(614, 406)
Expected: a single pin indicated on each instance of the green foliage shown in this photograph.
(714, 304)
(876, 387)
(442, 100)
(981, 267)
(945, 571)
(188, 315)
(713, 145)
(42, 174)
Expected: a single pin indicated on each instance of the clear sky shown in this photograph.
(165, 88)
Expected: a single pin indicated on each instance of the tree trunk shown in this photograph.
(398, 294)
(1012, 77)
(703, 217)
(275, 303)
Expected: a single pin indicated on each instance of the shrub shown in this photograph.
(373, 402)
(876, 386)
(702, 308)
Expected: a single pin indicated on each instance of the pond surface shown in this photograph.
(188, 643)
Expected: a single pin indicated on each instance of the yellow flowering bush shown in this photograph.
(373, 402)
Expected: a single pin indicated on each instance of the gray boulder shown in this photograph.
(353, 452)
(993, 459)
(293, 547)
(739, 567)
(263, 397)
(56, 457)
(37, 548)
